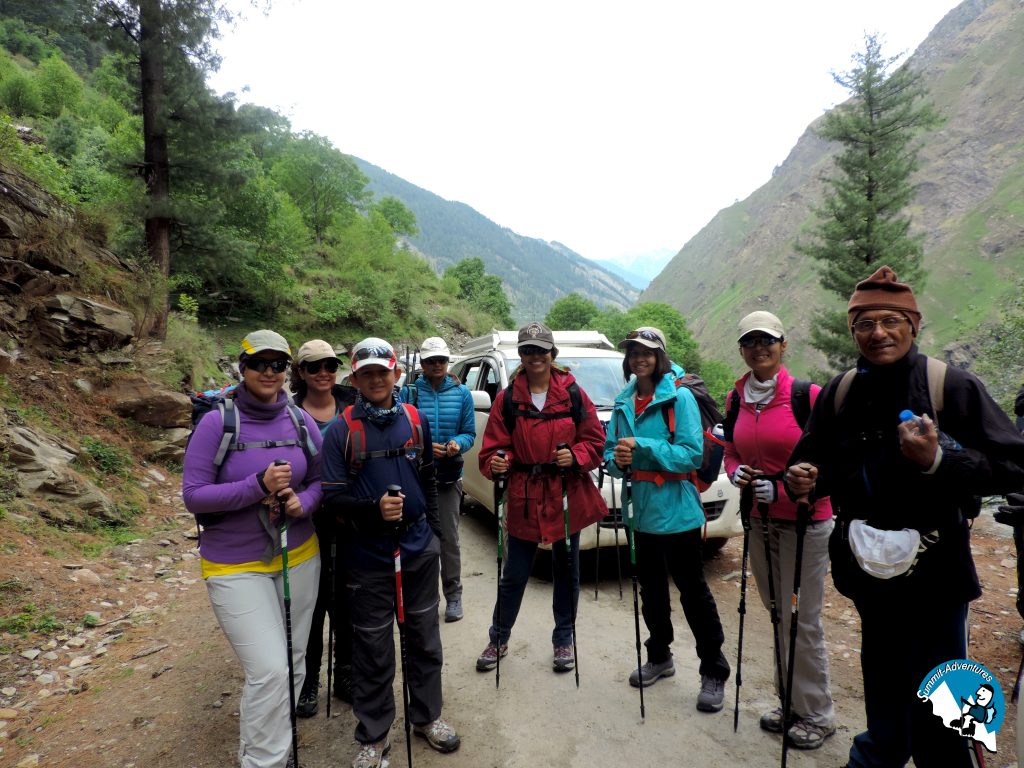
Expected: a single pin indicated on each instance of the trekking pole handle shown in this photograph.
(394, 490)
(560, 447)
(501, 455)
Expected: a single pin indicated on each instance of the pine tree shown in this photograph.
(861, 223)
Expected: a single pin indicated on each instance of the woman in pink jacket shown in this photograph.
(764, 419)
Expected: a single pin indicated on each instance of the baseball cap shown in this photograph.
(316, 349)
(435, 346)
(536, 335)
(264, 340)
(373, 351)
(647, 335)
(762, 321)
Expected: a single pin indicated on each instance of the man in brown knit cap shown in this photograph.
(896, 488)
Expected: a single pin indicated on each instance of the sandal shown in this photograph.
(804, 734)
(772, 721)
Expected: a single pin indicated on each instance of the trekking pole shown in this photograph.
(568, 567)
(773, 605)
(627, 499)
(746, 504)
(802, 515)
(616, 522)
(288, 629)
(597, 545)
(394, 490)
(499, 509)
(330, 621)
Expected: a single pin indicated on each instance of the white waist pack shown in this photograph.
(883, 554)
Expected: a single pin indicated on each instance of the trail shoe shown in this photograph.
(307, 705)
(453, 610)
(343, 684)
(772, 721)
(651, 672)
(488, 660)
(439, 734)
(563, 660)
(712, 694)
(372, 755)
(806, 735)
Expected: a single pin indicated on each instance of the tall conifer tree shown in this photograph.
(862, 222)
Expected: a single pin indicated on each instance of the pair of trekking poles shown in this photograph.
(802, 518)
(500, 486)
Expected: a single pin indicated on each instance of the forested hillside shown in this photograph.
(968, 208)
(536, 273)
(263, 225)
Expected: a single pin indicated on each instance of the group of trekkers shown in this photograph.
(344, 502)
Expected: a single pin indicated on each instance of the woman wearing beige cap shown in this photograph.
(765, 414)
(313, 383)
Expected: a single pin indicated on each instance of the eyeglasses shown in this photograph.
(331, 366)
(260, 364)
(749, 342)
(530, 350)
(890, 323)
(435, 361)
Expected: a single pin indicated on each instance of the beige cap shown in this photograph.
(316, 349)
(435, 346)
(647, 335)
(762, 321)
(263, 340)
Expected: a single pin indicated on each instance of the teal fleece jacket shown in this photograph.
(675, 506)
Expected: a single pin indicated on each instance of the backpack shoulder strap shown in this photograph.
(800, 401)
(308, 446)
(843, 387)
(575, 403)
(229, 418)
(732, 412)
(412, 413)
(936, 372)
(508, 413)
(355, 442)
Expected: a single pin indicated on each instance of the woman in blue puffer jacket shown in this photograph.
(667, 512)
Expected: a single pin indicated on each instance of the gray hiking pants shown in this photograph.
(812, 693)
(449, 499)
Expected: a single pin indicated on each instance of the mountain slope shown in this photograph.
(971, 184)
(536, 273)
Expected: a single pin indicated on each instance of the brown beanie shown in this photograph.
(882, 291)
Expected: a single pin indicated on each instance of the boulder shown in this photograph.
(72, 322)
(137, 398)
(170, 447)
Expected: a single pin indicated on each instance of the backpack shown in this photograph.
(355, 443)
(799, 401)
(714, 449)
(509, 412)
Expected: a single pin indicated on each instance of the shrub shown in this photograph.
(59, 87)
(20, 96)
(108, 459)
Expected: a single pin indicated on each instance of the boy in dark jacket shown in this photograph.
(377, 443)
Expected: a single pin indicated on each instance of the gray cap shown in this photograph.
(536, 335)
(264, 340)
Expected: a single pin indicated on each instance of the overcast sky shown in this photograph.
(615, 128)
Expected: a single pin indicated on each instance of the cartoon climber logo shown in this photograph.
(967, 697)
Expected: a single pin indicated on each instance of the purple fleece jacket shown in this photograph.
(234, 494)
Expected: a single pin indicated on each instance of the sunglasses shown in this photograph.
(260, 364)
(530, 349)
(365, 353)
(435, 361)
(646, 335)
(758, 341)
(330, 365)
(890, 323)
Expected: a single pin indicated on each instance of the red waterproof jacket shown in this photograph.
(534, 499)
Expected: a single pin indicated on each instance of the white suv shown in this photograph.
(485, 366)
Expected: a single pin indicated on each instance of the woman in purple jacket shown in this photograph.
(241, 487)
(762, 436)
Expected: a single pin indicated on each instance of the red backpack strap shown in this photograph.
(416, 425)
(355, 442)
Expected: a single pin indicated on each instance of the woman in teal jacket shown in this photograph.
(667, 512)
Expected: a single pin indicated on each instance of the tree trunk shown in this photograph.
(157, 167)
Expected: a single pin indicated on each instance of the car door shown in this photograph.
(482, 375)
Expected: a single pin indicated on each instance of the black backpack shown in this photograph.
(714, 449)
(799, 400)
(509, 412)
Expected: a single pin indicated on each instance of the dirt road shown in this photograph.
(186, 715)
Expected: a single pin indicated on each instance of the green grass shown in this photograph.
(107, 458)
(31, 618)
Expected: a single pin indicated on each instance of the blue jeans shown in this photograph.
(900, 644)
(516, 572)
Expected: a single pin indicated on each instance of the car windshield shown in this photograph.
(599, 377)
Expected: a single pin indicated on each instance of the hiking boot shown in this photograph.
(651, 672)
(439, 734)
(806, 735)
(453, 610)
(488, 660)
(772, 721)
(372, 755)
(343, 683)
(712, 694)
(308, 697)
(564, 660)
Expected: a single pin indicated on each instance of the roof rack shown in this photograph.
(509, 340)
